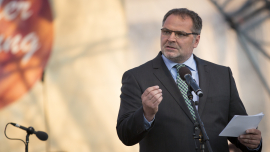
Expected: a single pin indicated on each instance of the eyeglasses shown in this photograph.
(178, 34)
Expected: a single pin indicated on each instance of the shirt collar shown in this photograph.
(190, 63)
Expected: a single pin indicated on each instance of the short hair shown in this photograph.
(184, 12)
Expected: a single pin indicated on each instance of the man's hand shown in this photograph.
(251, 139)
(151, 98)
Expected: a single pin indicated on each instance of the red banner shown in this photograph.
(26, 36)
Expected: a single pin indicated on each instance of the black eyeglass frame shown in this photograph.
(181, 33)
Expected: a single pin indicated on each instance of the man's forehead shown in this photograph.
(178, 21)
(181, 16)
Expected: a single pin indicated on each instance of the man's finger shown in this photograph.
(250, 136)
(159, 100)
(151, 96)
(253, 131)
(156, 97)
(149, 89)
(249, 143)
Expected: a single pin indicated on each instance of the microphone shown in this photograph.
(30, 130)
(185, 75)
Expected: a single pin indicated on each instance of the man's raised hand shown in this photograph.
(151, 99)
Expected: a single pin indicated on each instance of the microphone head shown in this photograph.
(42, 135)
(183, 71)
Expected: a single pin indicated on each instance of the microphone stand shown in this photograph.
(27, 141)
(198, 123)
(29, 131)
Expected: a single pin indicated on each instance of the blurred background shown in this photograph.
(61, 64)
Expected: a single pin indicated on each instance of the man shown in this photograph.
(154, 110)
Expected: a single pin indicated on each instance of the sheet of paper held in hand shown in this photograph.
(239, 124)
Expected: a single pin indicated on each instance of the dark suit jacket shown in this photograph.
(173, 127)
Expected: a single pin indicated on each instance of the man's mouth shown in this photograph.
(170, 47)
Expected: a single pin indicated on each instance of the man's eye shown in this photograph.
(180, 34)
(167, 32)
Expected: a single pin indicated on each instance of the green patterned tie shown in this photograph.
(183, 89)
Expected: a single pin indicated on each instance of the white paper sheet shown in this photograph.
(239, 124)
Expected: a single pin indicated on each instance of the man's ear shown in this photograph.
(197, 40)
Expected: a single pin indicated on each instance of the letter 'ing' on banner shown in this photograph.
(26, 36)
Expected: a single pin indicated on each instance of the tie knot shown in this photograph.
(178, 66)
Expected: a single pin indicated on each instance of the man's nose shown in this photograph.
(172, 37)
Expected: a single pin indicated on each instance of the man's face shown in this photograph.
(178, 49)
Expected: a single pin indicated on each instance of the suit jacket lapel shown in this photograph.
(164, 76)
(204, 82)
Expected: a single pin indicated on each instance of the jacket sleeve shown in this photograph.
(237, 108)
(130, 123)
